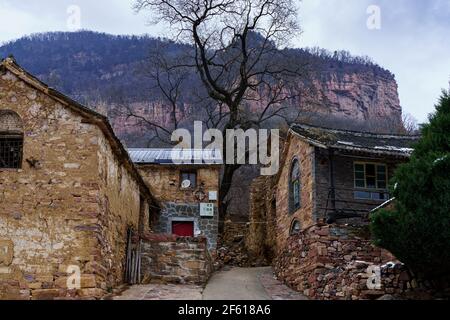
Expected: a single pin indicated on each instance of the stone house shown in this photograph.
(329, 181)
(70, 196)
(329, 175)
(186, 183)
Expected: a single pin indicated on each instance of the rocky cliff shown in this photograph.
(108, 72)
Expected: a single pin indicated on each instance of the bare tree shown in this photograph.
(410, 123)
(168, 79)
(236, 53)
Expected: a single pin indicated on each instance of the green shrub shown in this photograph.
(417, 231)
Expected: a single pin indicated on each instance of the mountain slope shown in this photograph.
(106, 70)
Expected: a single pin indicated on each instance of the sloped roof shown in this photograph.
(176, 156)
(387, 144)
(89, 115)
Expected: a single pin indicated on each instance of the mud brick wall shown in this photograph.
(172, 259)
(72, 207)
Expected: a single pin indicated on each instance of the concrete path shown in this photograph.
(236, 284)
(227, 284)
(161, 292)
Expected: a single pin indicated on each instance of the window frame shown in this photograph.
(292, 230)
(189, 172)
(293, 205)
(370, 191)
(18, 137)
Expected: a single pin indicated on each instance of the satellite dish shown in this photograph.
(186, 184)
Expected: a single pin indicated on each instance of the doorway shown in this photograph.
(183, 228)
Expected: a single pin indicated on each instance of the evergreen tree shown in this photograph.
(417, 230)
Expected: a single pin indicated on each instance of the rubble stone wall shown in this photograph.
(232, 248)
(165, 181)
(338, 262)
(172, 259)
(184, 204)
(305, 155)
(260, 240)
(57, 210)
(203, 226)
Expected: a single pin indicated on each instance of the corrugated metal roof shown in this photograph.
(175, 156)
(398, 145)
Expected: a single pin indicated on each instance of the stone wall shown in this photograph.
(203, 226)
(232, 248)
(302, 151)
(172, 259)
(60, 209)
(165, 183)
(261, 237)
(339, 262)
(184, 204)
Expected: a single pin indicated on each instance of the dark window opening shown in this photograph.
(294, 186)
(11, 151)
(296, 228)
(188, 179)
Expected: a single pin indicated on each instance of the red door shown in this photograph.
(183, 228)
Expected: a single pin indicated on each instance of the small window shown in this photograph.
(294, 186)
(370, 175)
(188, 180)
(295, 228)
(11, 140)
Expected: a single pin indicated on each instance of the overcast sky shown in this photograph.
(411, 38)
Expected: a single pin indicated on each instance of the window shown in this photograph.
(370, 176)
(11, 140)
(295, 228)
(294, 186)
(188, 179)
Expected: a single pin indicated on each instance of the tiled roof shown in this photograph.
(389, 144)
(175, 156)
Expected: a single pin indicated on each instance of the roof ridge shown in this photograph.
(368, 133)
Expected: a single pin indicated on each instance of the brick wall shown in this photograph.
(171, 259)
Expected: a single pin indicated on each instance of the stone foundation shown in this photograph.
(172, 259)
(339, 262)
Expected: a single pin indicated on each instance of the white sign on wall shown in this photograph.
(207, 209)
(212, 195)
